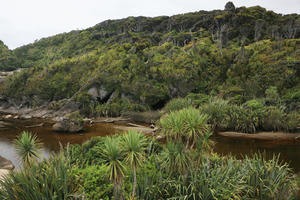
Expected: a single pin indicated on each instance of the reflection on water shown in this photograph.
(51, 140)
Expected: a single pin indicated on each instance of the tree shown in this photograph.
(229, 6)
(28, 147)
(134, 146)
(113, 158)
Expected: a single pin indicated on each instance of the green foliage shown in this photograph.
(134, 147)
(198, 99)
(216, 109)
(28, 147)
(153, 60)
(116, 108)
(241, 119)
(177, 104)
(274, 120)
(188, 125)
(175, 159)
(76, 118)
(293, 122)
(253, 116)
(269, 179)
(94, 182)
(176, 173)
(112, 158)
(87, 153)
(8, 60)
(50, 179)
(143, 117)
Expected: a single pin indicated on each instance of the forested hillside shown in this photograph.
(141, 62)
(8, 60)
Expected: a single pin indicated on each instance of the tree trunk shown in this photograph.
(117, 191)
(134, 182)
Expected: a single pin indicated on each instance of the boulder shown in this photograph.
(67, 125)
(8, 116)
(6, 164)
(25, 116)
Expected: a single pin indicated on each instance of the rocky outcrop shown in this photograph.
(6, 164)
(71, 123)
(98, 93)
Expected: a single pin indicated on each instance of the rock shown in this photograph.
(88, 121)
(26, 117)
(8, 116)
(6, 164)
(68, 125)
(98, 93)
(69, 107)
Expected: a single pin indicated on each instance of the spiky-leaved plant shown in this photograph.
(28, 147)
(134, 147)
(187, 125)
(113, 158)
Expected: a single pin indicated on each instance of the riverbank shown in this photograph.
(264, 136)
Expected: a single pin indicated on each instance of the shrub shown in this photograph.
(293, 122)
(50, 179)
(177, 104)
(84, 99)
(198, 99)
(94, 182)
(241, 119)
(274, 120)
(117, 108)
(269, 179)
(272, 96)
(216, 109)
(187, 125)
(87, 153)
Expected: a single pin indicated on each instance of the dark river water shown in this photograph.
(289, 153)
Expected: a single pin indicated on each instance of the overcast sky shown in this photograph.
(23, 21)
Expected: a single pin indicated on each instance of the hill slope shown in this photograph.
(144, 62)
(8, 61)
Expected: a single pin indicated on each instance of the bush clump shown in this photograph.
(177, 104)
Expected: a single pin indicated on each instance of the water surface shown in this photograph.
(51, 140)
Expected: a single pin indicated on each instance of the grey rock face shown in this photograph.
(66, 125)
(6, 164)
(98, 93)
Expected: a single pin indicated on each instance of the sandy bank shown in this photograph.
(263, 136)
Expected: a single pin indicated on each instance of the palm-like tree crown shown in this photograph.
(28, 147)
(113, 157)
(134, 146)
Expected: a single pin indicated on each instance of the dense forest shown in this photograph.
(8, 60)
(141, 63)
